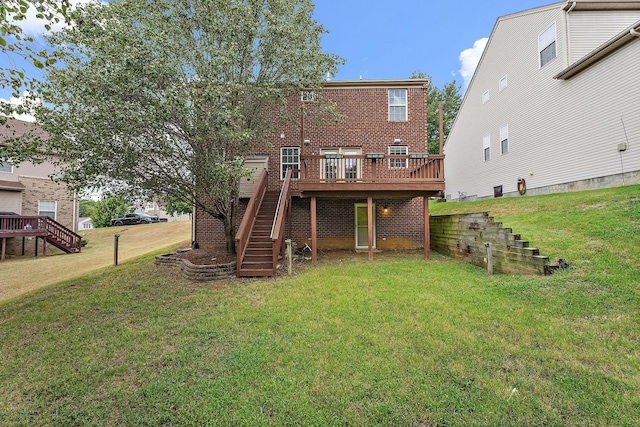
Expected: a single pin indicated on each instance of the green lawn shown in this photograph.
(398, 341)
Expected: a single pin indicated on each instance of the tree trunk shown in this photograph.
(230, 229)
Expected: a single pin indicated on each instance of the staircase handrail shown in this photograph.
(249, 218)
(62, 233)
(277, 230)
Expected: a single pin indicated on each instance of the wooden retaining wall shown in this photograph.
(197, 273)
(464, 236)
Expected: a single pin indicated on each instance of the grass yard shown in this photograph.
(20, 275)
(398, 341)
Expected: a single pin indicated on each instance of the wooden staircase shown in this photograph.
(258, 257)
(12, 226)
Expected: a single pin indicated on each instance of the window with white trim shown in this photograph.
(289, 159)
(547, 45)
(47, 208)
(6, 167)
(486, 147)
(504, 139)
(398, 150)
(397, 105)
(307, 96)
(502, 85)
(485, 97)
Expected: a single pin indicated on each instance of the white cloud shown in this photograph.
(34, 26)
(26, 97)
(469, 59)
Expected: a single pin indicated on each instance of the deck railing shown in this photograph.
(42, 226)
(278, 228)
(371, 168)
(249, 218)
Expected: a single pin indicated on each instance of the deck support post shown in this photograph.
(427, 231)
(370, 226)
(4, 248)
(314, 235)
(36, 239)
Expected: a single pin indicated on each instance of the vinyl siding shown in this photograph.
(588, 30)
(559, 131)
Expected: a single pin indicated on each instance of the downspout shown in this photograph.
(567, 38)
(634, 33)
(75, 216)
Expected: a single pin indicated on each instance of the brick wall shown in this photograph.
(365, 106)
(366, 126)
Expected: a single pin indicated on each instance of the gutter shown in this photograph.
(601, 52)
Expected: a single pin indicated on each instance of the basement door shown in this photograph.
(362, 226)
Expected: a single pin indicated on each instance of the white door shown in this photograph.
(362, 226)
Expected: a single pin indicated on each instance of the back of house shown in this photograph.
(359, 183)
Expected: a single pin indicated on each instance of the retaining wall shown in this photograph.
(464, 236)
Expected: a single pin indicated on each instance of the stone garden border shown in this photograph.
(196, 273)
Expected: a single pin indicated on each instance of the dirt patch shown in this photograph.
(206, 256)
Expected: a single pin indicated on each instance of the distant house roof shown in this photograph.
(14, 128)
(12, 186)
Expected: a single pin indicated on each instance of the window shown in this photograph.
(47, 208)
(397, 105)
(307, 96)
(289, 159)
(6, 167)
(504, 139)
(486, 147)
(485, 97)
(502, 85)
(547, 45)
(398, 150)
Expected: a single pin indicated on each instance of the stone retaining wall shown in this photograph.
(196, 273)
(464, 236)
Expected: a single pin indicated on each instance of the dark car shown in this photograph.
(148, 218)
(128, 219)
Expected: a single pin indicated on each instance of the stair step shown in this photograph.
(256, 273)
(257, 258)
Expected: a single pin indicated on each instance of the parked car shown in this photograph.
(148, 218)
(128, 219)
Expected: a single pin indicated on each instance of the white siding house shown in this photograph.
(554, 101)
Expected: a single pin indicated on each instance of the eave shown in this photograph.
(627, 36)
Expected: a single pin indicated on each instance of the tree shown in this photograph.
(16, 45)
(451, 100)
(173, 207)
(105, 209)
(87, 206)
(167, 97)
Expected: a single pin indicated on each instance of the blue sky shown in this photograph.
(382, 39)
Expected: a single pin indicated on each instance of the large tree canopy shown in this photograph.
(167, 96)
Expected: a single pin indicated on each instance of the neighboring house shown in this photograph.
(554, 104)
(84, 223)
(360, 184)
(157, 209)
(27, 190)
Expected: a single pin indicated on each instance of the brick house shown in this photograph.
(27, 190)
(361, 184)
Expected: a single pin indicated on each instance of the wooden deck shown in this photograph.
(373, 174)
(12, 226)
